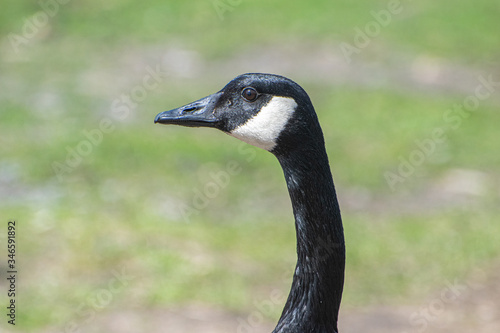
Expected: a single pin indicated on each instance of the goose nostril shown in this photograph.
(189, 108)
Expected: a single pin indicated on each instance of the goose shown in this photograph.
(274, 113)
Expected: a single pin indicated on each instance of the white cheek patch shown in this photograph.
(265, 127)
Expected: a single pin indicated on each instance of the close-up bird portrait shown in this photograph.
(333, 167)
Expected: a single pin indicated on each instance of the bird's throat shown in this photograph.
(318, 280)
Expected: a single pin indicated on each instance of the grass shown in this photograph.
(124, 206)
(128, 22)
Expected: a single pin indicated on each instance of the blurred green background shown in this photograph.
(117, 216)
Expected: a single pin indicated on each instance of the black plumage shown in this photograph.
(316, 291)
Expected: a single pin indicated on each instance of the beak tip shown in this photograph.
(157, 118)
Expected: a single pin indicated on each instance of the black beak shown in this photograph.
(196, 114)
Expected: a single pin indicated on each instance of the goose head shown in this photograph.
(265, 110)
(276, 114)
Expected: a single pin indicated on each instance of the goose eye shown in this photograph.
(250, 94)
